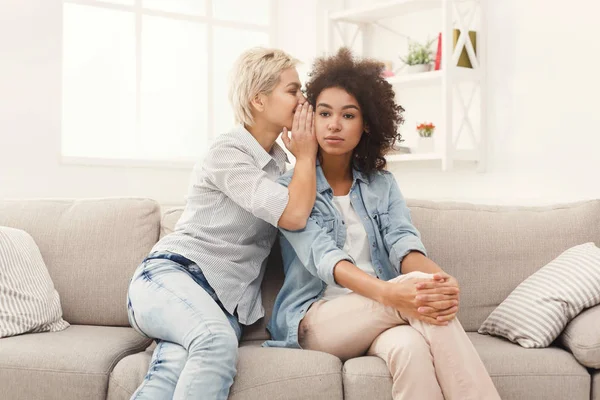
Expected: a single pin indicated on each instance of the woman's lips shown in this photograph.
(333, 139)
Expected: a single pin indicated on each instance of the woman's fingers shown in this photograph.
(448, 290)
(434, 312)
(435, 284)
(313, 132)
(309, 120)
(438, 276)
(440, 304)
(286, 138)
(302, 122)
(296, 121)
(446, 318)
(431, 320)
(423, 299)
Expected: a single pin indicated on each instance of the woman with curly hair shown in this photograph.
(357, 279)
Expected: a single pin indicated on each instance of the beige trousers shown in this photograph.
(426, 361)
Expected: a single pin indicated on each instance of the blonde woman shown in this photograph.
(202, 282)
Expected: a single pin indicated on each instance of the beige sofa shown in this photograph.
(91, 248)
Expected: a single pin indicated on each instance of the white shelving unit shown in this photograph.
(456, 14)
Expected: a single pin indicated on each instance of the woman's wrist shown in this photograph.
(387, 293)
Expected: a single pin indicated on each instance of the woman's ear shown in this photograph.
(366, 128)
(258, 102)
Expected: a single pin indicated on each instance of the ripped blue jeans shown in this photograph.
(170, 300)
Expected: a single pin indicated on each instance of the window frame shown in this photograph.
(139, 11)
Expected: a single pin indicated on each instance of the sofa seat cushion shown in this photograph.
(263, 373)
(71, 364)
(518, 373)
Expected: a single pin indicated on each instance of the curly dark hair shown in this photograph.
(362, 78)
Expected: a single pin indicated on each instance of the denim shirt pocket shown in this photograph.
(329, 225)
(383, 220)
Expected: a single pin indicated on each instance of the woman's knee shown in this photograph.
(413, 275)
(220, 342)
(407, 343)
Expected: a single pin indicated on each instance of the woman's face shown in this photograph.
(281, 103)
(339, 122)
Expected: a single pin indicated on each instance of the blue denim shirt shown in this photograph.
(310, 254)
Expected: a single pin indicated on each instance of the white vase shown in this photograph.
(426, 145)
(413, 69)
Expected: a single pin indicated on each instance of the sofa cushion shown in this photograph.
(366, 378)
(263, 373)
(91, 248)
(518, 373)
(29, 301)
(169, 220)
(492, 249)
(582, 337)
(71, 364)
(128, 374)
(538, 310)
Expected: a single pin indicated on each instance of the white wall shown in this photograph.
(543, 122)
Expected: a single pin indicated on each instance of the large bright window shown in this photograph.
(148, 79)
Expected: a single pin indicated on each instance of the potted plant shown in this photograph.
(419, 57)
(425, 130)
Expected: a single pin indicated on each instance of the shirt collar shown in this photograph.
(323, 185)
(277, 154)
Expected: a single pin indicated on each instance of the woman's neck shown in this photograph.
(264, 133)
(338, 172)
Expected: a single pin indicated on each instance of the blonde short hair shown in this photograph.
(256, 71)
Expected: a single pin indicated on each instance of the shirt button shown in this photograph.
(374, 245)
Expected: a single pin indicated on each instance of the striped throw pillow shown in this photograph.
(28, 300)
(537, 311)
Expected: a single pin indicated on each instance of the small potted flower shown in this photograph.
(425, 130)
(419, 57)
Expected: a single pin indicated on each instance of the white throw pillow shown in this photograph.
(28, 300)
(537, 311)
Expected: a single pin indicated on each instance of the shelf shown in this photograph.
(434, 77)
(417, 79)
(375, 12)
(463, 155)
(413, 157)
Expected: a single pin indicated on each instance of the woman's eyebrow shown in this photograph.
(343, 108)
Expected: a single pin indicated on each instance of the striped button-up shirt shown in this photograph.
(229, 223)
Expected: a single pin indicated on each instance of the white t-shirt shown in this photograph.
(357, 243)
